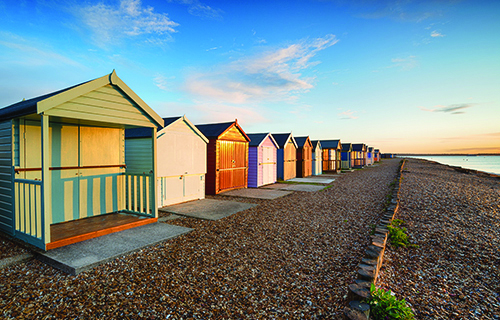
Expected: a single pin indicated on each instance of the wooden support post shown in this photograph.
(154, 193)
(46, 181)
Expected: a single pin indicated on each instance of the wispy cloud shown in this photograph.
(163, 82)
(407, 63)
(347, 115)
(436, 34)
(274, 74)
(453, 109)
(111, 23)
(199, 9)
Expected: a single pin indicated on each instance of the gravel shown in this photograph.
(291, 258)
(454, 218)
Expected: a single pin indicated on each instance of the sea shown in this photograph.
(490, 164)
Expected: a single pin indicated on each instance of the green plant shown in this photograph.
(373, 227)
(384, 305)
(397, 235)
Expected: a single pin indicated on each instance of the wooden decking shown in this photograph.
(63, 234)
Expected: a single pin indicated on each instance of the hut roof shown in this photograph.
(48, 101)
(214, 130)
(282, 139)
(370, 149)
(257, 138)
(146, 132)
(301, 141)
(331, 144)
(377, 151)
(359, 147)
(316, 143)
(346, 147)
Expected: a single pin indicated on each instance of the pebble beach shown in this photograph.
(454, 219)
(293, 257)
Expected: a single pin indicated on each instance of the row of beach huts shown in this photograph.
(97, 148)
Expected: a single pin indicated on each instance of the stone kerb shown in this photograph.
(370, 265)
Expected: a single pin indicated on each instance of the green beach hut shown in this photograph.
(63, 174)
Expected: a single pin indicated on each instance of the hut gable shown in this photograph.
(230, 131)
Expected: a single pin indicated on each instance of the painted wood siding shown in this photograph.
(105, 104)
(317, 164)
(6, 179)
(253, 167)
(138, 155)
(289, 160)
(233, 134)
(211, 178)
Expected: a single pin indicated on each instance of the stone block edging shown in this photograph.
(369, 267)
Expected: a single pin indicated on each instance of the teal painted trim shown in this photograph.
(39, 243)
(137, 213)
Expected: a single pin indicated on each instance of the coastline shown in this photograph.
(453, 218)
(458, 168)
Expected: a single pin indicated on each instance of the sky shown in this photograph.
(402, 76)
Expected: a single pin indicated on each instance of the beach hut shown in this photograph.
(63, 173)
(369, 156)
(304, 157)
(359, 150)
(181, 159)
(262, 159)
(331, 155)
(376, 156)
(287, 155)
(317, 158)
(345, 155)
(227, 156)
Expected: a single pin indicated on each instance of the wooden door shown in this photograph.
(268, 165)
(289, 166)
(233, 164)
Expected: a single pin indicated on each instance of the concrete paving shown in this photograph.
(208, 209)
(313, 179)
(257, 193)
(85, 255)
(295, 187)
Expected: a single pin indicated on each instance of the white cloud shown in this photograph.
(110, 23)
(407, 63)
(436, 34)
(273, 74)
(199, 9)
(163, 82)
(347, 115)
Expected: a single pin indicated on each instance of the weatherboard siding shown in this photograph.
(6, 179)
(106, 104)
(253, 167)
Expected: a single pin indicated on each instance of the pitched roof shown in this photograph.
(301, 141)
(257, 138)
(48, 101)
(359, 147)
(26, 107)
(282, 139)
(346, 147)
(214, 130)
(315, 144)
(146, 132)
(370, 149)
(330, 144)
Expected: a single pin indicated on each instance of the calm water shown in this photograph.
(489, 164)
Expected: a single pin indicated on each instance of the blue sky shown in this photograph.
(402, 76)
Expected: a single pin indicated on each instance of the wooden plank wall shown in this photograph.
(6, 179)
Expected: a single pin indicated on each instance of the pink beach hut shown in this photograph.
(262, 164)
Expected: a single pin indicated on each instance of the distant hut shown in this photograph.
(287, 155)
(181, 159)
(345, 155)
(304, 156)
(262, 159)
(359, 150)
(376, 156)
(369, 156)
(317, 158)
(227, 156)
(331, 155)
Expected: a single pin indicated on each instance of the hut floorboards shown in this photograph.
(65, 233)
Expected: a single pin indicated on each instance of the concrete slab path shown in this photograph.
(208, 209)
(313, 179)
(295, 187)
(85, 255)
(257, 193)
